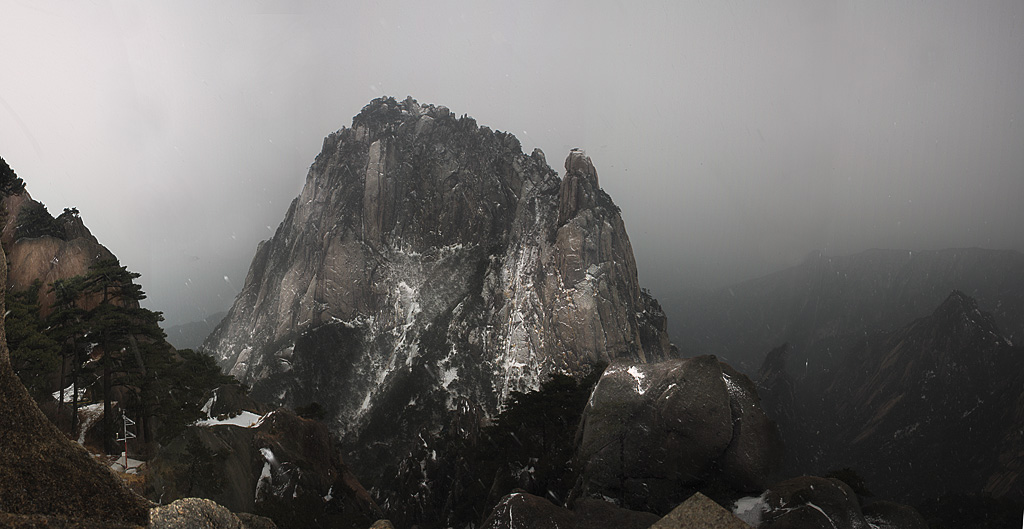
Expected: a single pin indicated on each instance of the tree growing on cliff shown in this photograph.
(10, 183)
(117, 324)
(66, 327)
(34, 355)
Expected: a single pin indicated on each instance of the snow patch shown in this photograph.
(448, 376)
(265, 476)
(208, 406)
(639, 377)
(246, 419)
(751, 508)
(68, 391)
(90, 414)
(734, 389)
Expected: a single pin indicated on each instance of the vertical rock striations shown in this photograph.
(429, 266)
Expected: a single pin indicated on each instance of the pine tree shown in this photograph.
(113, 324)
(34, 355)
(97, 322)
(66, 327)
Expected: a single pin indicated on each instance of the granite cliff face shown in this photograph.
(429, 266)
(42, 248)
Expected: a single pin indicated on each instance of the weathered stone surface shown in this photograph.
(194, 513)
(382, 524)
(889, 515)
(526, 511)
(39, 521)
(47, 258)
(755, 449)
(811, 502)
(429, 268)
(652, 434)
(699, 512)
(252, 521)
(42, 472)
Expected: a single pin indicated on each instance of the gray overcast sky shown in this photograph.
(736, 137)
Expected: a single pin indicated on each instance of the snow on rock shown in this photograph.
(89, 415)
(68, 393)
(635, 372)
(246, 419)
(750, 509)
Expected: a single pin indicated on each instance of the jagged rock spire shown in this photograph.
(579, 186)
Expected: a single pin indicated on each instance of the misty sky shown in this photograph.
(737, 138)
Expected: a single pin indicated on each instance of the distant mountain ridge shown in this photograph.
(921, 412)
(192, 335)
(819, 305)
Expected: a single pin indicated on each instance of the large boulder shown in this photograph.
(653, 434)
(526, 511)
(889, 515)
(811, 502)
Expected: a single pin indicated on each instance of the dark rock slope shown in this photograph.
(929, 410)
(430, 267)
(652, 435)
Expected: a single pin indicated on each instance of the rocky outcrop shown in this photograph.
(41, 248)
(284, 467)
(198, 514)
(810, 502)
(526, 511)
(429, 268)
(652, 435)
(889, 515)
(44, 476)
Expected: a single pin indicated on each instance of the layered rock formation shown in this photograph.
(429, 266)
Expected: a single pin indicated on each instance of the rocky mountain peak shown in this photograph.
(960, 316)
(428, 269)
(579, 189)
